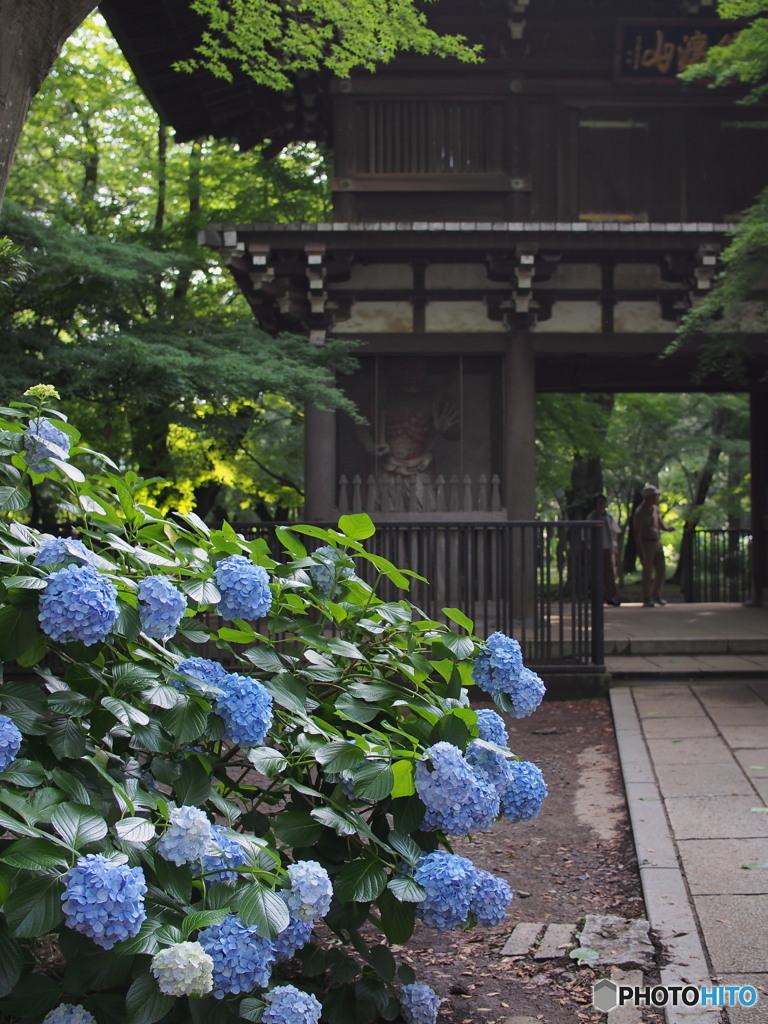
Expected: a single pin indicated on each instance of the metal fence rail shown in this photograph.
(540, 582)
(720, 566)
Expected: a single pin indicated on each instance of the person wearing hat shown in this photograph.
(648, 525)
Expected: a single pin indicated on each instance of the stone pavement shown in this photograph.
(694, 757)
(686, 640)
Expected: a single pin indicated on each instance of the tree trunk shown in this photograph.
(32, 35)
(719, 427)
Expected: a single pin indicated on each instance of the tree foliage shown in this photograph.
(718, 321)
(270, 40)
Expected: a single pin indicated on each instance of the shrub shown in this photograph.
(184, 797)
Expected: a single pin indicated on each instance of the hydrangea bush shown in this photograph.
(206, 750)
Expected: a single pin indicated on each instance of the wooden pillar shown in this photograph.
(520, 427)
(758, 456)
(320, 478)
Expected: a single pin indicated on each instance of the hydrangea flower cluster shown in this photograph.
(69, 1013)
(293, 937)
(458, 799)
(523, 792)
(490, 726)
(419, 1004)
(78, 603)
(490, 898)
(527, 694)
(10, 741)
(244, 588)
(326, 573)
(223, 856)
(43, 441)
(187, 838)
(289, 1005)
(241, 957)
(492, 763)
(311, 891)
(448, 880)
(498, 664)
(202, 675)
(499, 670)
(62, 551)
(161, 607)
(455, 889)
(184, 969)
(246, 708)
(104, 900)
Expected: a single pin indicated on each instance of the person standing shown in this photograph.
(610, 539)
(648, 526)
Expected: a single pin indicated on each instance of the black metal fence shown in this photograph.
(719, 567)
(540, 582)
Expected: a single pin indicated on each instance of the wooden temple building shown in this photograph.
(536, 222)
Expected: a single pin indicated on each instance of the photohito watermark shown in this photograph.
(607, 995)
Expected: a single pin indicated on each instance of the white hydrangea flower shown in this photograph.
(183, 970)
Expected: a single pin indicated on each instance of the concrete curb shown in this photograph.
(667, 901)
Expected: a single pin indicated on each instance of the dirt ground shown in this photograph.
(576, 858)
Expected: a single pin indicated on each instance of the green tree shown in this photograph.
(268, 40)
(122, 291)
(718, 322)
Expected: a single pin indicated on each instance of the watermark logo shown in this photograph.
(607, 995)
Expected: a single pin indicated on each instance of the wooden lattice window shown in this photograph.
(406, 137)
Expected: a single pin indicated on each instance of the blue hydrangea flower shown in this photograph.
(62, 551)
(43, 441)
(289, 1005)
(246, 708)
(498, 664)
(523, 792)
(244, 588)
(329, 570)
(161, 607)
(69, 1013)
(293, 937)
(223, 856)
(490, 898)
(78, 603)
(241, 957)
(490, 726)
(205, 676)
(526, 694)
(419, 1004)
(184, 969)
(311, 891)
(449, 881)
(104, 900)
(458, 799)
(10, 741)
(492, 763)
(188, 836)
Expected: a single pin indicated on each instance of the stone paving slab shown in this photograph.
(686, 727)
(689, 751)
(745, 736)
(703, 780)
(523, 936)
(736, 930)
(720, 866)
(712, 817)
(754, 762)
(555, 942)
